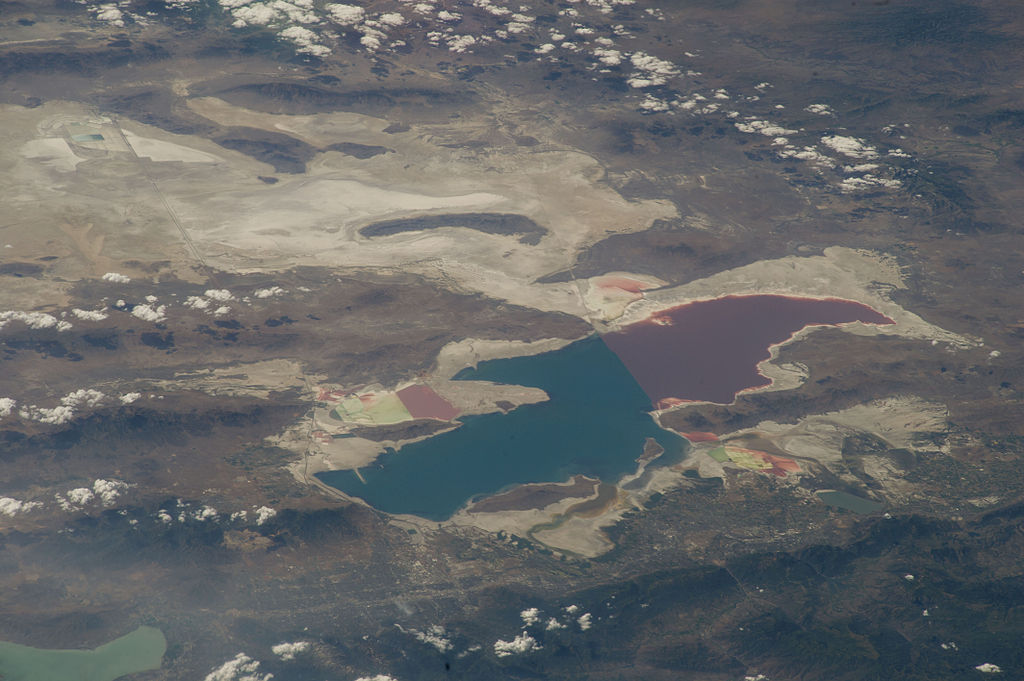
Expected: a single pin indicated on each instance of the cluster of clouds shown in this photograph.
(650, 70)
(856, 161)
(185, 512)
(239, 668)
(313, 27)
(103, 492)
(289, 651)
(70, 405)
(213, 302)
(525, 642)
(11, 507)
(33, 320)
(244, 668)
(106, 12)
(435, 635)
(534, 623)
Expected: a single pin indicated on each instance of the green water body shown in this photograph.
(849, 502)
(595, 423)
(141, 650)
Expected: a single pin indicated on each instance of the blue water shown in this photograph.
(595, 423)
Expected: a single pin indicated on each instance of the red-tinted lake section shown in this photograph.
(709, 350)
(424, 403)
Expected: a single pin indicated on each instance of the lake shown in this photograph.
(595, 423)
(709, 350)
(849, 502)
(601, 392)
(141, 650)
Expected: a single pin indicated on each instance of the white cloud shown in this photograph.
(545, 48)
(553, 624)
(391, 19)
(371, 41)
(288, 651)
(149, 313)
(84, 397)
(128, 398)
(269, 292)
(80, 496)
(585, 621)
(240, 668)
(436, 636)
(849, 146)
(89, 315)
(530, 616)
(571, 609)
(820, 109)
(6, 406)
(306, 40)
(608, 57)
(196, 303)
(445, 15)
(346, 15)
(33, 320)
(763, 127)
(205, 513)
(653, 104)
(164, 517)
(495, 10)
(460, 43)
(116, 278)
(868, 181)
(222, 310)
(111, 14)
(651, 70)
(12, 507)
(807, 154)
(263, 514)
(378, 677)
(66, 410)
(523, 643)
(221, 295)
(989, 668)
(57, 416)
(108, 490)
(258, 14)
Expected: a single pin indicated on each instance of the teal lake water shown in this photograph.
(141, 650)
(595, 423)
(849, 502)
